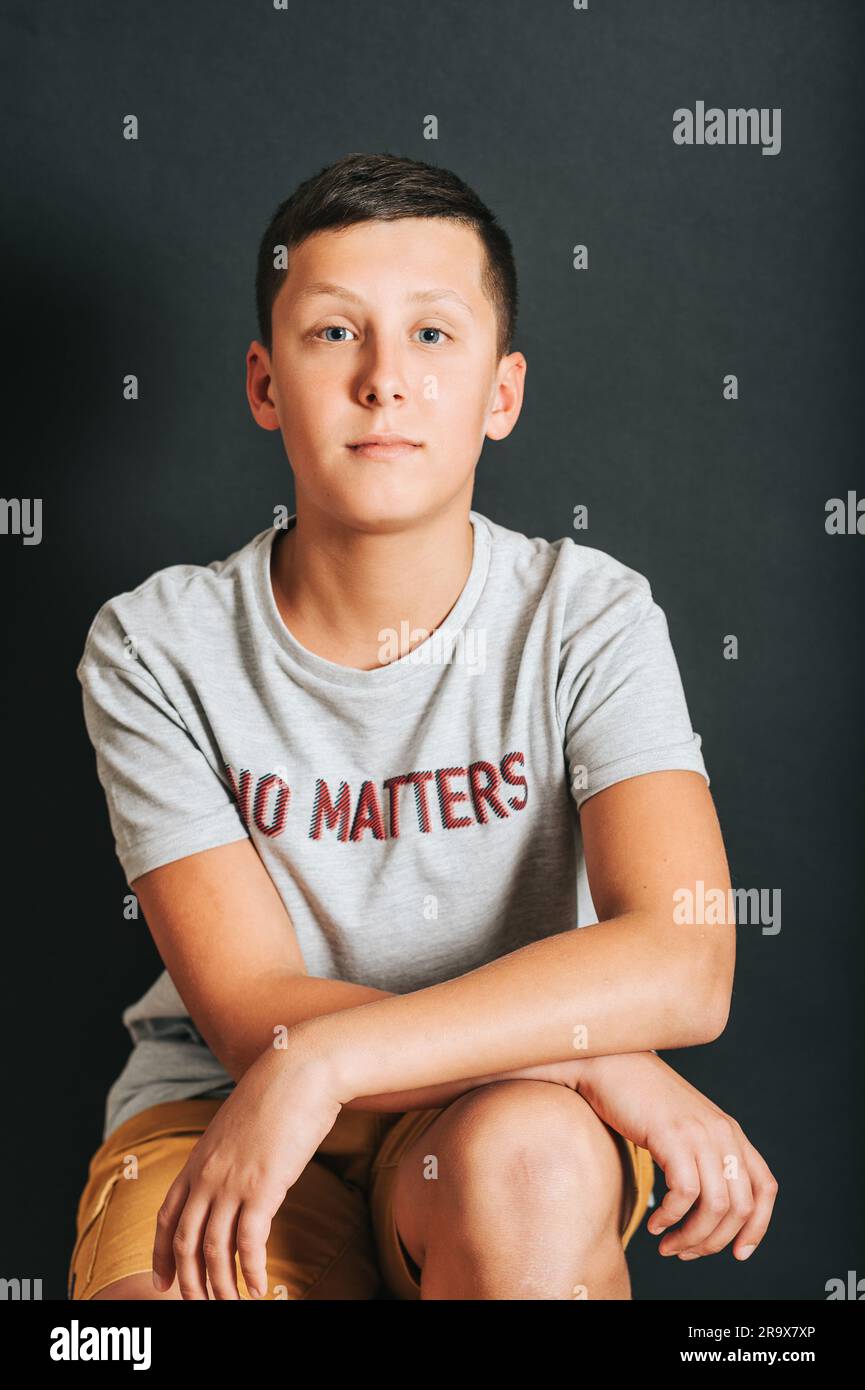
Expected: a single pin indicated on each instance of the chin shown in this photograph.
(383, 513)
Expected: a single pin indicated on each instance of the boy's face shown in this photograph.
(373, 357)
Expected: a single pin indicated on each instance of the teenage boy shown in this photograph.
(367, 776)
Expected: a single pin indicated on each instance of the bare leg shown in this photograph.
(529, 1199)
(136, 1286)
(140, 1286)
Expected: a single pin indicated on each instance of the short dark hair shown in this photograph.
(370, 187)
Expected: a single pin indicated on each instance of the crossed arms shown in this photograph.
(637, 980)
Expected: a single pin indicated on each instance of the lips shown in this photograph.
(384, 446)
(386, 438)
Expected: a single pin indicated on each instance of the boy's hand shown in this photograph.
(254, 1149)
(713, 1173)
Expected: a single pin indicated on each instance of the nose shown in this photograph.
(382, 377)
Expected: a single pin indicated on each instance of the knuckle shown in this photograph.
(255, 1184)
(741, 1205)
(723, 1135)
(690, 1190)
(687, 1127)
(210, 1165)
(183, 1242)
(250, 1183)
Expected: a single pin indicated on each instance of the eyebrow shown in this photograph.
(322, 287)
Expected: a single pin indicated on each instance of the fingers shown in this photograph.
(734, 1197)
(196, 1239)
(218, 1244)
(253, 1228)
(765, 1189)
(166, 1223)
(725, 1203)
(683, 1189)
(188, 1247)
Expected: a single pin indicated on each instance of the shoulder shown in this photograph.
(580, 582)
(171, 609)
(599, 592)
(589, 571)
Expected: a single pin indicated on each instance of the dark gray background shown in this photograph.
(139, 257)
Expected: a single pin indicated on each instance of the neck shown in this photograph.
(365, 598)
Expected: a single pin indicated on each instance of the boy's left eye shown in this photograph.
(431, 329)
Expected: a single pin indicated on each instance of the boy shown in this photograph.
(366, 777)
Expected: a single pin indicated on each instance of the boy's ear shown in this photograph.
(258, 379)
(507, 396)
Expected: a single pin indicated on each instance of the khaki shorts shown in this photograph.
(334, 1237)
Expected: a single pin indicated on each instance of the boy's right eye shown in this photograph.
(339, 327)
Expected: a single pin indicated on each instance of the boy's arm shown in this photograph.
(309, 996)
(240, 987)
(639, 979)
(632, 983)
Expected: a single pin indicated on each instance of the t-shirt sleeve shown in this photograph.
(165, 798)
(621, 703)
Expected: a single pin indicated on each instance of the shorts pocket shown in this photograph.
(87, 1242)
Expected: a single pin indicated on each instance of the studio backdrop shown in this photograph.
(681, 183)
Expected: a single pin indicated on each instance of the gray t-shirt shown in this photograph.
(419, 819)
